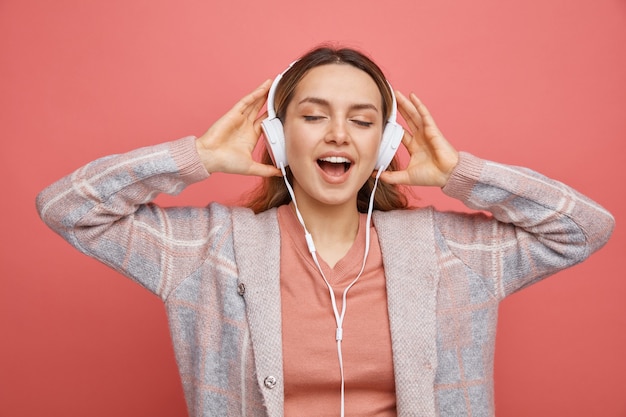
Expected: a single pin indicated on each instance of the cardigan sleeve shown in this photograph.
(104, 210)
(527, 226)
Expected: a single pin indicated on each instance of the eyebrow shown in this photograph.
(323, 102)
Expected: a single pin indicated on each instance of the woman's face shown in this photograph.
(333, 126)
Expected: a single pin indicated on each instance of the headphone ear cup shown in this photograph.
(392, 136)
(275, 140)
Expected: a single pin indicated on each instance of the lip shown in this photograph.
(332, 179)
(336, 154)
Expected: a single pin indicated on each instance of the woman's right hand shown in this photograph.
(228, 144)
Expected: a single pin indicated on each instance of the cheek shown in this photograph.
(373, 144)
(296, 143)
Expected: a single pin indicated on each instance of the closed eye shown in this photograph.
(312, 118)
(362, 123)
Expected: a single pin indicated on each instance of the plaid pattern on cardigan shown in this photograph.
(217, 271)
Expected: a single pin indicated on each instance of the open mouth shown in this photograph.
(334, 165)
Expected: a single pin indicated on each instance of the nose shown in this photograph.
(338, 132)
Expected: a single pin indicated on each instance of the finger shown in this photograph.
(395, 177)
(250, 104)
(409, 112)
(410, 138)
(261, 117)
(410, 143)
(260, 96)
(258, 122)
(263, 170)
(423, 111)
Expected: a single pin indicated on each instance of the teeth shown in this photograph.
(336, 160)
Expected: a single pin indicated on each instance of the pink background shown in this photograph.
(534, 83)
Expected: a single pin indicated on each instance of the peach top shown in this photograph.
(311, 364)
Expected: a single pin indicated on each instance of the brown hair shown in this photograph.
(272, 192)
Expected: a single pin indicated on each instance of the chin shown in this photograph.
(336, 200)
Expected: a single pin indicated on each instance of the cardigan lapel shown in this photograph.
(408, 251)
(257, 253)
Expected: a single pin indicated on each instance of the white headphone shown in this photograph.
(275, 136)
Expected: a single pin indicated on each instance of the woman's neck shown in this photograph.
(333, 228)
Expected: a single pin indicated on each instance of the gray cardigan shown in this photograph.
(217, 270)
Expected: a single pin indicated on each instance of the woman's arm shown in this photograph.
(105, 208)
(536, 227)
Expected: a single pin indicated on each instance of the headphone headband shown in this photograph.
(271, 111)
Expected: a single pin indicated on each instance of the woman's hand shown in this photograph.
(432, 158)
(228, 144)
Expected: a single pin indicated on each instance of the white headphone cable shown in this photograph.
(311, 246)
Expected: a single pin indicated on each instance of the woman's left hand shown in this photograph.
(432, 158)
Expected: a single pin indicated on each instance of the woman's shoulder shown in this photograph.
(247, 221)
(403, 218)
(427, 218)
(405, 213)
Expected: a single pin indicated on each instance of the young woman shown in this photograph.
(301, 304)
